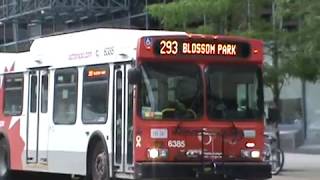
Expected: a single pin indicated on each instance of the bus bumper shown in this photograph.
(242, 170)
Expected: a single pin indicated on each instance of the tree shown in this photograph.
(304, 61)
(200, 16)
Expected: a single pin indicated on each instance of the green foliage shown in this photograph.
(303, 57)
(184, 14)
(274, 76)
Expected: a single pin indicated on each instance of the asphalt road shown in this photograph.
(296, 167)
(38, 176)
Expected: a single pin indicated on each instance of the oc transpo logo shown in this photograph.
(207, 138)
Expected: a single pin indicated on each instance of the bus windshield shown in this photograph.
(234, 92)
(171, 91)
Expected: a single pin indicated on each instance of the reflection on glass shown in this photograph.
(234, 92)
(95, 94)
(65, 96)
(171, 91)
(13, 94)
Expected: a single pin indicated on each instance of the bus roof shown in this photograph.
(90, 47)
(96, 46)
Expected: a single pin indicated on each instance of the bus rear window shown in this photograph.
(13, 94)
(95, 94)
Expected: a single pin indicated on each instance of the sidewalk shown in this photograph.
(310, 146)
(308, 149)
(300, 166)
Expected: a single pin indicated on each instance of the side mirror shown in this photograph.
(273, 115)
(134, 75)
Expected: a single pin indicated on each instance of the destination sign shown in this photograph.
(100, 72)
(96, 73)
(166, 47)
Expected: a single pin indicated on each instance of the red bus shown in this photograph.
(198, 107)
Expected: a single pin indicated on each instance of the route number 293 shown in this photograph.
(176, 143)
(168, 47)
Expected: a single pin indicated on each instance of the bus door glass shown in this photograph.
(122, 129)
(129, 124)
(118, 118)
(37, 125)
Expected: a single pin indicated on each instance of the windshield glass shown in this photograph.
(234, 92)
(171, 91)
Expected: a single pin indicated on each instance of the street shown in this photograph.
(297, 167)
(300, 167)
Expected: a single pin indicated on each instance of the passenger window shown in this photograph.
(95, 94)
(13, 94)
(65, 96)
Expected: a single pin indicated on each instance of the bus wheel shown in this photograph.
(4, 160)
(99, 163)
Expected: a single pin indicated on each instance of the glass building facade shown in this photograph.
(22, 21)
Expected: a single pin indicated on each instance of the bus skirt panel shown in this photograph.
(161, 170)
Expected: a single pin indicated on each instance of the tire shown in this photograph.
(281, 159)
(99, 163)
(276, 161)
(4, 160)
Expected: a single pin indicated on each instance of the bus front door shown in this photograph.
(37, 117)
(122, 120)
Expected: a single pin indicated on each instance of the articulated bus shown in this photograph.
(134, 104)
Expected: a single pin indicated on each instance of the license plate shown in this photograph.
(157, 133)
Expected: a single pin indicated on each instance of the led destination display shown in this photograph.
(180, 47)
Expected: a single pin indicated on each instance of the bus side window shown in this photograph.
(95, 94)
(13, 94)
(65, 96)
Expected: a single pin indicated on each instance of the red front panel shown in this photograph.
(202, 139)
(221, 140)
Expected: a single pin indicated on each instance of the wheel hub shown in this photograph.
(100, 163)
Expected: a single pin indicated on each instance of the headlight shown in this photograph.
(255, 154)
(163, 153)
(155, 153)
(246, 153)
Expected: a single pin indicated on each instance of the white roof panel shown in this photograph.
(91, 46)
(15, 62)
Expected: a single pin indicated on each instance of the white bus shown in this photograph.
(59, 103)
